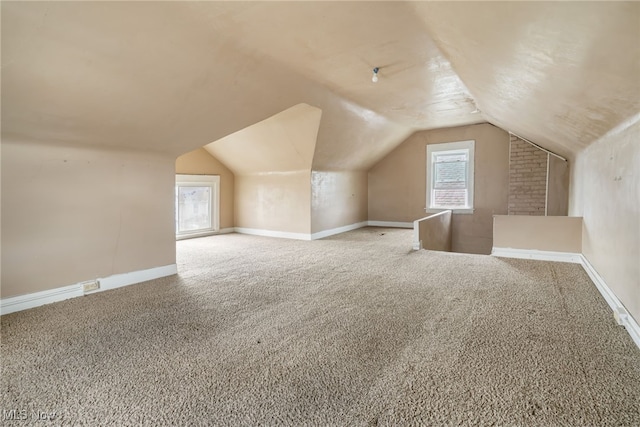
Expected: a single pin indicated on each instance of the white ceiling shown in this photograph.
(339, 43)
(559, 73)
(174, 76)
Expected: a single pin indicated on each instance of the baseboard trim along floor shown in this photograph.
(301, 236)
(393, 224)
(622, 316)
(36, 299)
(338, 230)
(620, 313)
(208, 233)
(273, 233)
(571, 257)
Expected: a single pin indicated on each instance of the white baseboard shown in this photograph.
(620, 313)
(36, 299)
(393, 224)
(271, 233)
(208, 233)
(571, 257)
(321, 234)
(333, 231)
(622, 316)
(126, 279)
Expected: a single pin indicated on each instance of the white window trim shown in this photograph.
(212, 181)
(449, 146)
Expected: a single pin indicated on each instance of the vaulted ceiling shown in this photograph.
(174, 76)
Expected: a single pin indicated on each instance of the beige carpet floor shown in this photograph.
(352, 330)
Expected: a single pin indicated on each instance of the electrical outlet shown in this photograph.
(93, 285)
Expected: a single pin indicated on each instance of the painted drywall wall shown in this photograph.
(605, 190)
(542, 233)
(338, 199)
(200, 162)
(397, 184)
(558, 187)
(434, 232)
(274, 201)
(75, 213)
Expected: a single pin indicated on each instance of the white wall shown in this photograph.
(605, 191)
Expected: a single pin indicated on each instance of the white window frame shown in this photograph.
(466, 146)
(211, 181)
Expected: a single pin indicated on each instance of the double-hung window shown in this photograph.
(197, 205)
(450, 176)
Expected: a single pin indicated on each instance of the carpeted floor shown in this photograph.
(352, 330)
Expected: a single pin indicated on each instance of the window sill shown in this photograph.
(468, 211)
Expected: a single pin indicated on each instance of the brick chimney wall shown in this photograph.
(527, 178)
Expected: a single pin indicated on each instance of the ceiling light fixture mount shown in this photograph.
(375, 75)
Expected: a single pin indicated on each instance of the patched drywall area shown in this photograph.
(338, 199)
(76, 213)
(397, 184)
(200, 162)
(606, 192)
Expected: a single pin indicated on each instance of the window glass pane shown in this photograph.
(450, 175)
(194, 208)
(450, 198)
(451, 157)
(450, 180)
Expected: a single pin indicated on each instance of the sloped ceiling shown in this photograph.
(174, 76)
(284, 142)
(337, 44)
(559, 73)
